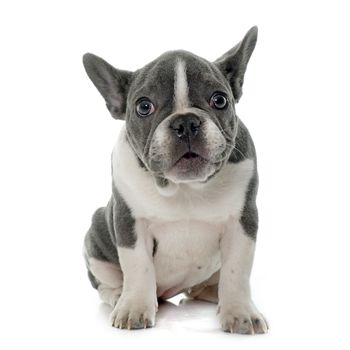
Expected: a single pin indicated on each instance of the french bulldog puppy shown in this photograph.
(182, 217)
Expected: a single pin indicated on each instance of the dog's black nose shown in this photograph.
(186, 126)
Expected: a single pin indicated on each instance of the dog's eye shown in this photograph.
(218, 101)
(144, 107)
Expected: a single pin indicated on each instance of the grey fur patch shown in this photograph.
(123, 220)
(244, 149)
(244, 146)
(250, 217)
(100, 240)
(111, 226)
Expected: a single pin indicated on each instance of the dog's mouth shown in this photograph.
(190, 166)
(190, 161)
(190, 155)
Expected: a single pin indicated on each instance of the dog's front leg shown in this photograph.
(236, 309)
(137, 305)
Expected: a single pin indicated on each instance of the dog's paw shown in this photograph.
(242, 318)
(133, 313)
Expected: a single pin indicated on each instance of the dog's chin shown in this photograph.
(190, 167)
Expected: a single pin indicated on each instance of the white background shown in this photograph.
(56, 139)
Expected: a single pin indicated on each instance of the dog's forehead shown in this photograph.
(160, 78)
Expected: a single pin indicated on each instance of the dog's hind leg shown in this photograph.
(101, 257)
(109, 279)
(206, 291)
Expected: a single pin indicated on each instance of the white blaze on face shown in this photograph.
(181, 101)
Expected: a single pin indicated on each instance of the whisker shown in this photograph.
(238, 150)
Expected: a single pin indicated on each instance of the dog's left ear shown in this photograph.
(113, 84)
(233, 63)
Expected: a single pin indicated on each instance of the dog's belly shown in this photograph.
(187, 253)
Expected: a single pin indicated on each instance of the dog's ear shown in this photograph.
(233, 63)
(113, 84)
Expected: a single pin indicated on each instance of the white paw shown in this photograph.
(242, 318)
(134, 312)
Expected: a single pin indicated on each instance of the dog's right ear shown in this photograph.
(233, 63)
(113, 84)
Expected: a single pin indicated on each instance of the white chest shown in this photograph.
(187, 253)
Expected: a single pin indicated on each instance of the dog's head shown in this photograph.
(179, 109)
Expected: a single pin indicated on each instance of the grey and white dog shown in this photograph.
(182, 216)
